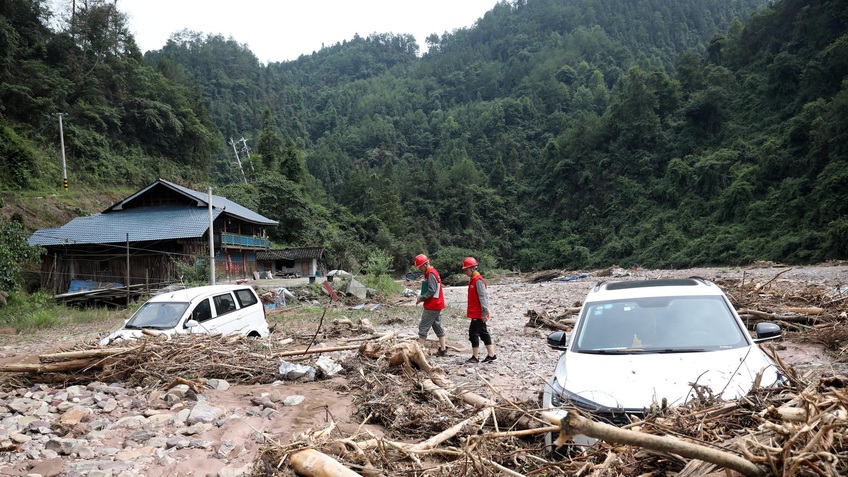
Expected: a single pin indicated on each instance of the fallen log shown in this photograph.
(37, 368)
(805, 311)
(574, 424)
(452, 431)
(311, 463)
(88, 353)
(317, 350)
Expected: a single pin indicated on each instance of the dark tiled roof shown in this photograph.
(290, 253)
(202, 200)
(143, 224)
(163, 222)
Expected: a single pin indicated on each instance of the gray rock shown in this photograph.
(61, 446)
(225, 449)
(182, 416)
(262, 401)
(203, 412)
(141, 436)
(219, 384)
(293, 400)
(21, 405)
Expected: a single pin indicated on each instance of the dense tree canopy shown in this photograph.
(550, 134)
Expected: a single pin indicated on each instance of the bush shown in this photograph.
(30, 312)
(193, 272)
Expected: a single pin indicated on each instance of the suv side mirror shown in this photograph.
(191, 323)
(558, 340)
(767, 332)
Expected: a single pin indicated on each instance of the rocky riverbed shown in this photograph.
(112, 429)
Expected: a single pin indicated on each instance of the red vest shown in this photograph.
(437, 302)
(475, 311)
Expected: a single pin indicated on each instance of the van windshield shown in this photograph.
(159, 316)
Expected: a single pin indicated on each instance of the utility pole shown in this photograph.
(211, 240)
(232, 143)
(62, 143)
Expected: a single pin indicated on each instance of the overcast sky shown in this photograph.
(280, 30)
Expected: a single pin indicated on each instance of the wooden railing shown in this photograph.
(243, 240)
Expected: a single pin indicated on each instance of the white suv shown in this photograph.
(636, 343)
(217, 309)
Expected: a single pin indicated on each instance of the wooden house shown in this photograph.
(302, 262)
(141, 240)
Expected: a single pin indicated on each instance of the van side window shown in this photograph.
(202, 312)
(224, 303)
(246, 297)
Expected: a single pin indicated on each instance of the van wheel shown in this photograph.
(253, 334)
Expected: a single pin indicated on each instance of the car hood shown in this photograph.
(634, 381)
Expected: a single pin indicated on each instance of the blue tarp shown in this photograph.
(86, 285)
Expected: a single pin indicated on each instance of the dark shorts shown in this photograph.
(477, 331)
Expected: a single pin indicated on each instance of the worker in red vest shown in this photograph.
(478, 311)
(433, 297)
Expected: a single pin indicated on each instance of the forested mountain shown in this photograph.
(552, 133)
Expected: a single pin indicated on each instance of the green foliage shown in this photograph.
(551, 134)
(14, 252)
(192, 273)
(383, 284)
(18, 159)
(379, 263)
(30, 312)
(448, 260)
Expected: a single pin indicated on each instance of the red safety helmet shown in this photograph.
(421, 259)
(469, 262)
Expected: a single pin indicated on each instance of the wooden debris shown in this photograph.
(312, 463)
(574, 424)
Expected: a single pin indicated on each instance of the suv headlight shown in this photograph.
(561, 397)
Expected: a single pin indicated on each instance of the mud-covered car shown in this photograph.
(215, 309)
(636, 343)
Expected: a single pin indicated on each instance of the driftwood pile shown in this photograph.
(435, 428)
(156, 361)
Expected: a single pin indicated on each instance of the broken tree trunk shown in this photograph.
(317, 350)
(72, 365)
(410, 352)
(442, 395)
(89, 353)
(311, 463)
(574, 423)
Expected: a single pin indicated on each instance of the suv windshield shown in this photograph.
(658, 324)
(159, 316)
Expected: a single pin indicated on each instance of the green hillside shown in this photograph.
(551, 134)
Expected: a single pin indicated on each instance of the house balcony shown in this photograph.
(246, 241)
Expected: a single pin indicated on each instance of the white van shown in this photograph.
(216, 309)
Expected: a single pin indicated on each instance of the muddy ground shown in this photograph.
(127, 431)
